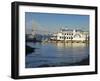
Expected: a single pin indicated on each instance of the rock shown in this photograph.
(44, 65)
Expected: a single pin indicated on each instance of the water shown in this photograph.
(56, 54)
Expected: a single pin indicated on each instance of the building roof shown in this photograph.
(65, 29)
(70, 30)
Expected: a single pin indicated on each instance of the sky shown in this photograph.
(51, 22)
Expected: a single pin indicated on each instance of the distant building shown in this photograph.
(70, 35)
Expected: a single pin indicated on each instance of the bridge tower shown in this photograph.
(34, 28)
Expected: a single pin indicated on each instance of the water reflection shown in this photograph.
(67, 45)
(57, 54)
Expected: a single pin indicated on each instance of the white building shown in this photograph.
(70, 35)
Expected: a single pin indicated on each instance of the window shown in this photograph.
(77, 36)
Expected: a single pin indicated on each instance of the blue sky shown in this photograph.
(53, 22)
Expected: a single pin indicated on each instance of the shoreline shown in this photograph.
(81, 63)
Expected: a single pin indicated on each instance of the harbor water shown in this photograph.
(57, 54)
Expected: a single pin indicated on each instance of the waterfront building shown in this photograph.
(66, 35)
